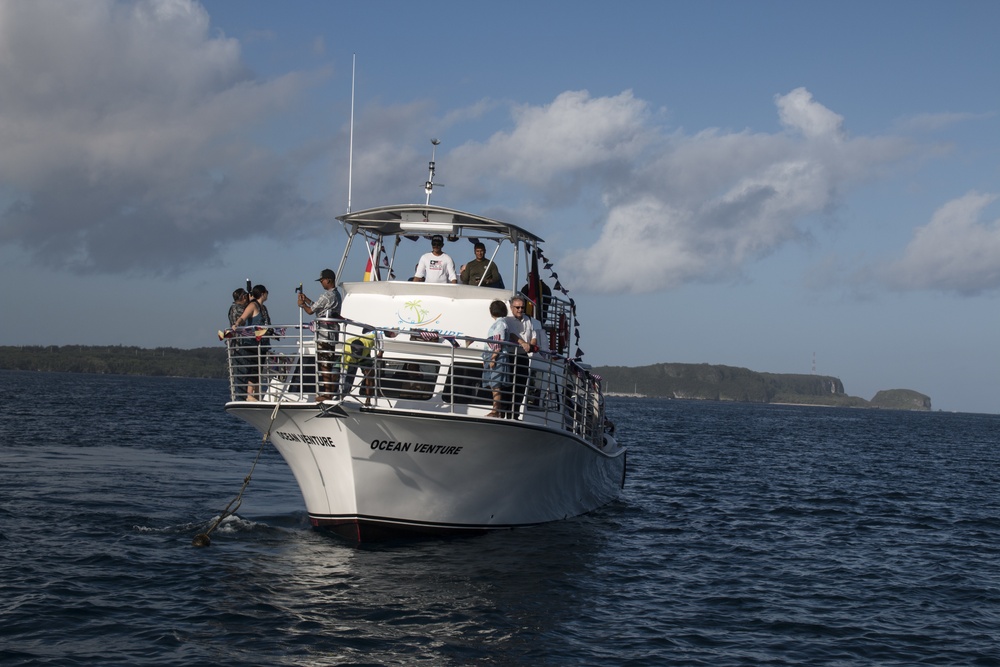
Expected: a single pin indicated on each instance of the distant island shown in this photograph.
(667, 380)
(728, 383)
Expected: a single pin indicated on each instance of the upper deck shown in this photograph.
(380, 238)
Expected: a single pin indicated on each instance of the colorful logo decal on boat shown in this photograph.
(415, 315)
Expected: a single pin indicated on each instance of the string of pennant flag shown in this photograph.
(556, 285)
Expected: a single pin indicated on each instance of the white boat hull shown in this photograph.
(369, 473)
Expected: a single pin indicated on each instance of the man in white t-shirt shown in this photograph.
(435, 266)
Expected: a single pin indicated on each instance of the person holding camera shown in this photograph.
(327, 309)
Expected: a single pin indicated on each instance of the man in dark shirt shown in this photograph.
(539, 302)
(481, 271)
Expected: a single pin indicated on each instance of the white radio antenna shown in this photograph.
(429, 185)
(350, 158)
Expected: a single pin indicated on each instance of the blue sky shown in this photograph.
(758, 184)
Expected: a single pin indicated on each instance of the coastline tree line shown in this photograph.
(202, 362)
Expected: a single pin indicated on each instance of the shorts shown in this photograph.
(499, 376)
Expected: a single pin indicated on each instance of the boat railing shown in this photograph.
(407, 370)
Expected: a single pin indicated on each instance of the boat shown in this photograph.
(380, 413)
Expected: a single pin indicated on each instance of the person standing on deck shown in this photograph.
(435, 266)
(520, 324)
(240, 299)
(326, 307)
(237, 352)
(481, 271)
(252, 317)
(497, 367)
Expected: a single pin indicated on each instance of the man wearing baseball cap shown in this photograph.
(328, 303)
(435, 266)
(326, 307)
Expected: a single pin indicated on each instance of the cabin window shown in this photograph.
(409, 379)
(465, 386)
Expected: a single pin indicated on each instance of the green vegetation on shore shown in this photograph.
(202, 362)
(901, 399)
(728, 383)
(691, 381)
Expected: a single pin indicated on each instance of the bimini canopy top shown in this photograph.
(423, 219)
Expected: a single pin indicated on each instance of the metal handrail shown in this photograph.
(403, 370)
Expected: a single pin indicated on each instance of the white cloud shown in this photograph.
(124, 136)
(675, 208)
(954, 252)
(132, 138)
(554, 150)
(930, 122)
(798, 111)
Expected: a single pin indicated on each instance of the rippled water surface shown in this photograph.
(746, 535)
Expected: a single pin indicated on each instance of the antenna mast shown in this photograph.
(429, 185)
(350, 158)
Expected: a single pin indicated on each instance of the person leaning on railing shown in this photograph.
(497, 367)
(325, 307)
(520, 325)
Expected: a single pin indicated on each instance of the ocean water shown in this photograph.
(746, 535)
